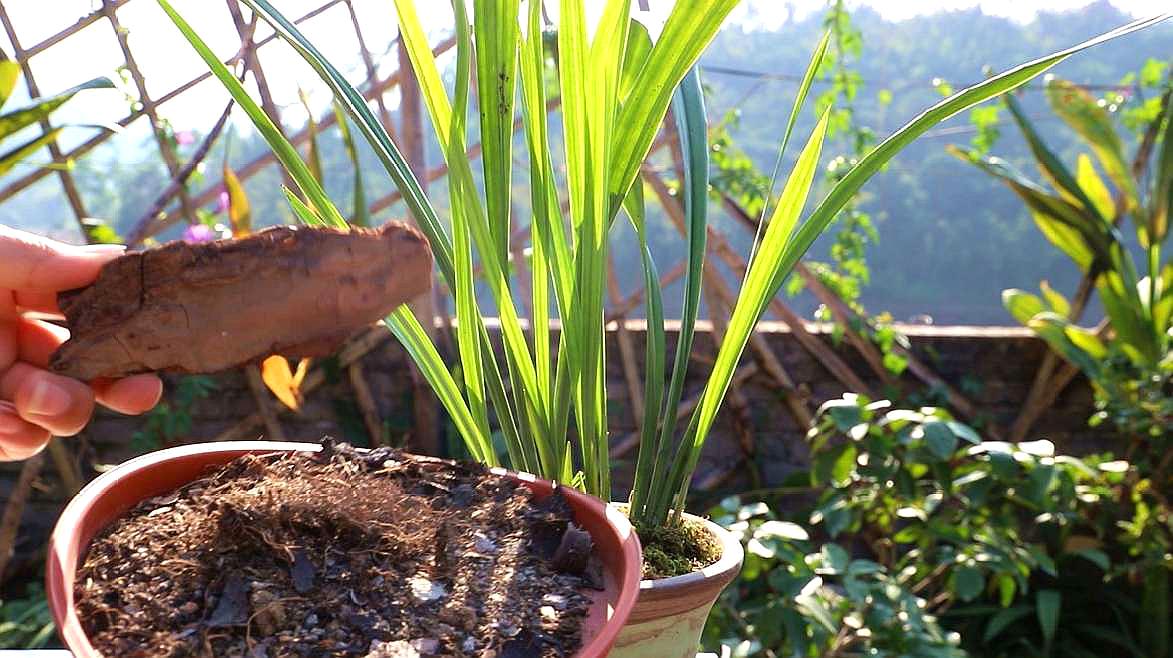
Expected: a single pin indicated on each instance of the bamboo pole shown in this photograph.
(142, 226)
(14, 509)
(824, 354)
(166, 149)
(627, 354)
(372, 71)
(366, 403)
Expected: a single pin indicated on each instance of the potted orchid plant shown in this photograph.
(615, 79)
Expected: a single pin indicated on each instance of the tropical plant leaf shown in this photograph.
(1162, 197)
(1047, 608)
(9, 75)
(497, 38)
(689, 29)
(690, 128)
(1055, 299)
(20, 153)
(362, 214)
(1094, 188)
(40, 108)
(1022, 305)
(239, 214)
(1050, 166)
(1078, 108)
(311, 126)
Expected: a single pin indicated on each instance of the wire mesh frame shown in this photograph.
(373, 88)
(148, 106)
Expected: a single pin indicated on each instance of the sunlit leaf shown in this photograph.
(311, 126)
(239, 213)
(9, 75)
(1055, 299)
(1079, 109)
(1093, 186)
(284, 382)
(362, 215)
(19, 154)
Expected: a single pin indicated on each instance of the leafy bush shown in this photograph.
(1013, 549)
(26, 623)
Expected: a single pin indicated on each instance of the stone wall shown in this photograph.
(993, 366)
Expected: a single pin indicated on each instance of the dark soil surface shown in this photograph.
(377, 554)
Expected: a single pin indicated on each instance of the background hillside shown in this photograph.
(950, 239)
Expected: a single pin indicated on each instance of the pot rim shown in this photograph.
(65, 539)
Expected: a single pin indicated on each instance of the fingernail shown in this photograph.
(102, 249)
(47, 399)
(10, 424)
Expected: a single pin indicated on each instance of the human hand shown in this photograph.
(34, 403)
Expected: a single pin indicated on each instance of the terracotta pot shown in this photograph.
(113, 493)
(670, 614)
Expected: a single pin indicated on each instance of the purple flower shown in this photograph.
(222, 204)
(197, 233)
(185, 137)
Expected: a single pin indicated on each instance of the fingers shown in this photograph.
(36, 341)
(38, 302)
(58, 404)
(132, 395)
(31, 263)
(19, 439)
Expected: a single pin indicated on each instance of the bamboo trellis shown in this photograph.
(178, 203)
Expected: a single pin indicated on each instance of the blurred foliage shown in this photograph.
(25, 622)
(171, 419)
(1129, 362)
(929, 541)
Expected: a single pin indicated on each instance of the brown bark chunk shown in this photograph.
(202, 308)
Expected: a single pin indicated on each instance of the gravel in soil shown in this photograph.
(374, 554)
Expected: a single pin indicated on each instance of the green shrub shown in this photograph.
(1016, 550)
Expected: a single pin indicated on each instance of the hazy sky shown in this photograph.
(167, 61)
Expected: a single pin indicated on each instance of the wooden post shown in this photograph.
(14, 508)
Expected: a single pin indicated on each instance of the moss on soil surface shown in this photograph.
(677, 550)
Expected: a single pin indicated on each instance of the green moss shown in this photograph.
(678, 549)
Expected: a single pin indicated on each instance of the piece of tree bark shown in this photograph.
(203, 308)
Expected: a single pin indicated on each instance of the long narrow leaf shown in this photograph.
(1079, 109)
(654, 355)
(754, 295)
(497, 39)
(362, 214)
(1049, 164)
(281, 147)
(690, 118)
(689, 29)
(20, 153)
(39, 108)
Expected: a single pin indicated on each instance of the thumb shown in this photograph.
(31, 263)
